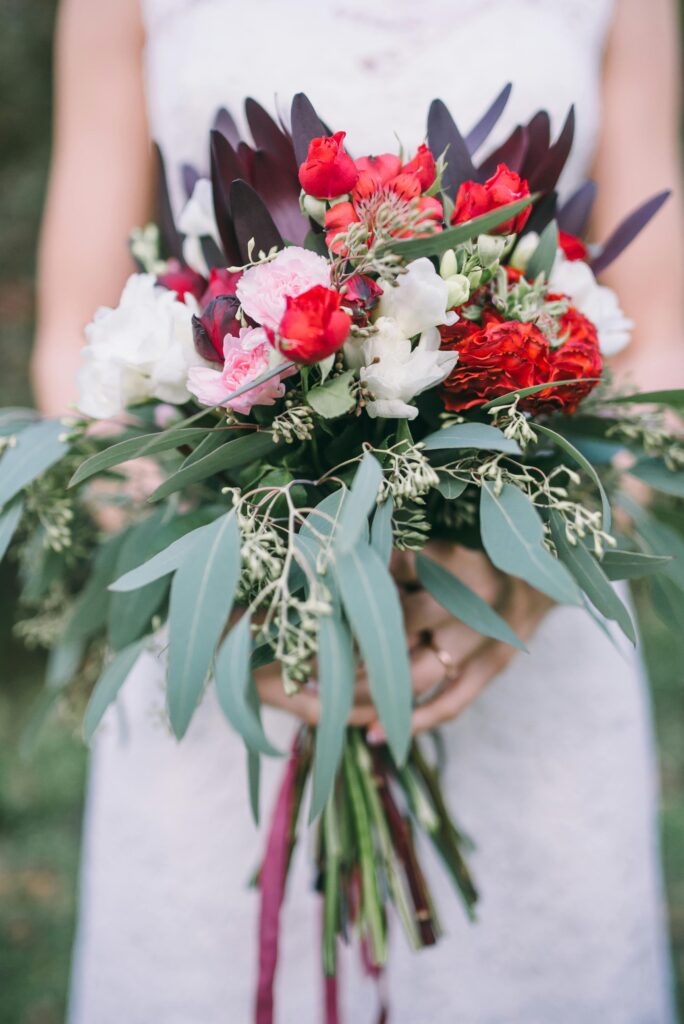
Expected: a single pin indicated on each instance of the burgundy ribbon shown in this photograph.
(272, 883)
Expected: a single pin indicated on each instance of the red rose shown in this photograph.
(576, 357)
(573, 247)
(493, 359)
(423, 166)
(216, 321)
(221, 282)
(474, 199)
(313, 326)
(182, 281)
(328, 171)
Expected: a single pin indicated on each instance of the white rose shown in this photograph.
(394, 372)
(142, 349)
(575, 279)
(197, 221)
(419, 300)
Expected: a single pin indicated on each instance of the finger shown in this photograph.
(450, 649)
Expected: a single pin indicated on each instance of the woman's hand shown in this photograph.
(306, 704)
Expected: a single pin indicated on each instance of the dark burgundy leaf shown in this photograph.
(538, 142)
(574, 214)
(627, 231)
(245, 155)
(443, 135)
(212, 254)
(216, 321)
(223, 167)
(270, 137)
(171, 239)
(279, 189)
(225, 124)
(543, 212)
(480, 132)
(511, 152)
(251, 220)
(306, 125)
(190, 178)
(545, 176)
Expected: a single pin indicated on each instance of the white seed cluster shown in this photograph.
(294, 424)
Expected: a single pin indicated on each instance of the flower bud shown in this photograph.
(490, 249)
(523, 250)
(314, 208)
(459, 289)
(447, 265)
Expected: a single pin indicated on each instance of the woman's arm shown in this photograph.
(638, 156)
(100, 184)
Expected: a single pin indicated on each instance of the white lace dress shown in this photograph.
(551, 770)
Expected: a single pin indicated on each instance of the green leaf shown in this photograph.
(323, 519)
(533, 390)
(357, 507)
(333, 398)
(629, 565)
(202, 595)
(463, 603)
(673, 397)
(9, 521)
(582, 461)
(162, 563)
(655, 473)
(89, 615)
(35, 450)
(130, 614)
(542, 259)
(512, 535)
(63, 663)
(435, 245)
(371, 604)
(471, 435)
(209, 443)
(663, 540)
(135, 448)
(14, 419)
(233, 677)
(382, 538)
(336, 675)
(108, 686)
(449, 487)
(591, 577)
(249, 448)
(254, 760)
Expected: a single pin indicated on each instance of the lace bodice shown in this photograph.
(372, 68)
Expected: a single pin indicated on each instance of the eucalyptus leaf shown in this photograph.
(233, 455)
(63, 663)
(471, 435)
(130, 614)
(463, 603)
(36, 448)
(371, 604)
(323, 519)
(542, 259)
(89, 614)
(665, 541)
(163, 562)
(655, 473)
(336, 676)
(362, 498)
(254, 761)
(512, 535)
(673, 397)
(449, 487)
(591, 577)
(382, 538)
(209, 443)
(582, 461)
(202, 595)
(108, 686)
(628, 565)
(9, 521)
(333, 398)
(135, 448)
(534, 389)
(233, 677)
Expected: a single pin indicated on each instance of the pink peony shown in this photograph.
(263, 289)
(246, 358)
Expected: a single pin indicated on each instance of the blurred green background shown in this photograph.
(41, 792)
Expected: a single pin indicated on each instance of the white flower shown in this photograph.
(522, 253)
(142, 349)
(419, 300)
(394, 372)
(197, 221)
(264, 288)
(598, 303)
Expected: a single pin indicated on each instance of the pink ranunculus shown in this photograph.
(246, 358)
(263, 289)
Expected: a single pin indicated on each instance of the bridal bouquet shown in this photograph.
(327, 359)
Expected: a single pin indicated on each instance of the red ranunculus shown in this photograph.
(328, 170)
(423, 166)
(313, 326)
(505, 186)
(221, 282)
(182, 280)
(577, 356)
(493, 359)
(362, 294)
(216, 321)
(573, 247)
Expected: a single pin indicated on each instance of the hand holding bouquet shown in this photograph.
(331, 360)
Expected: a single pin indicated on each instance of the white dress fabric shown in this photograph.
(551, 771)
